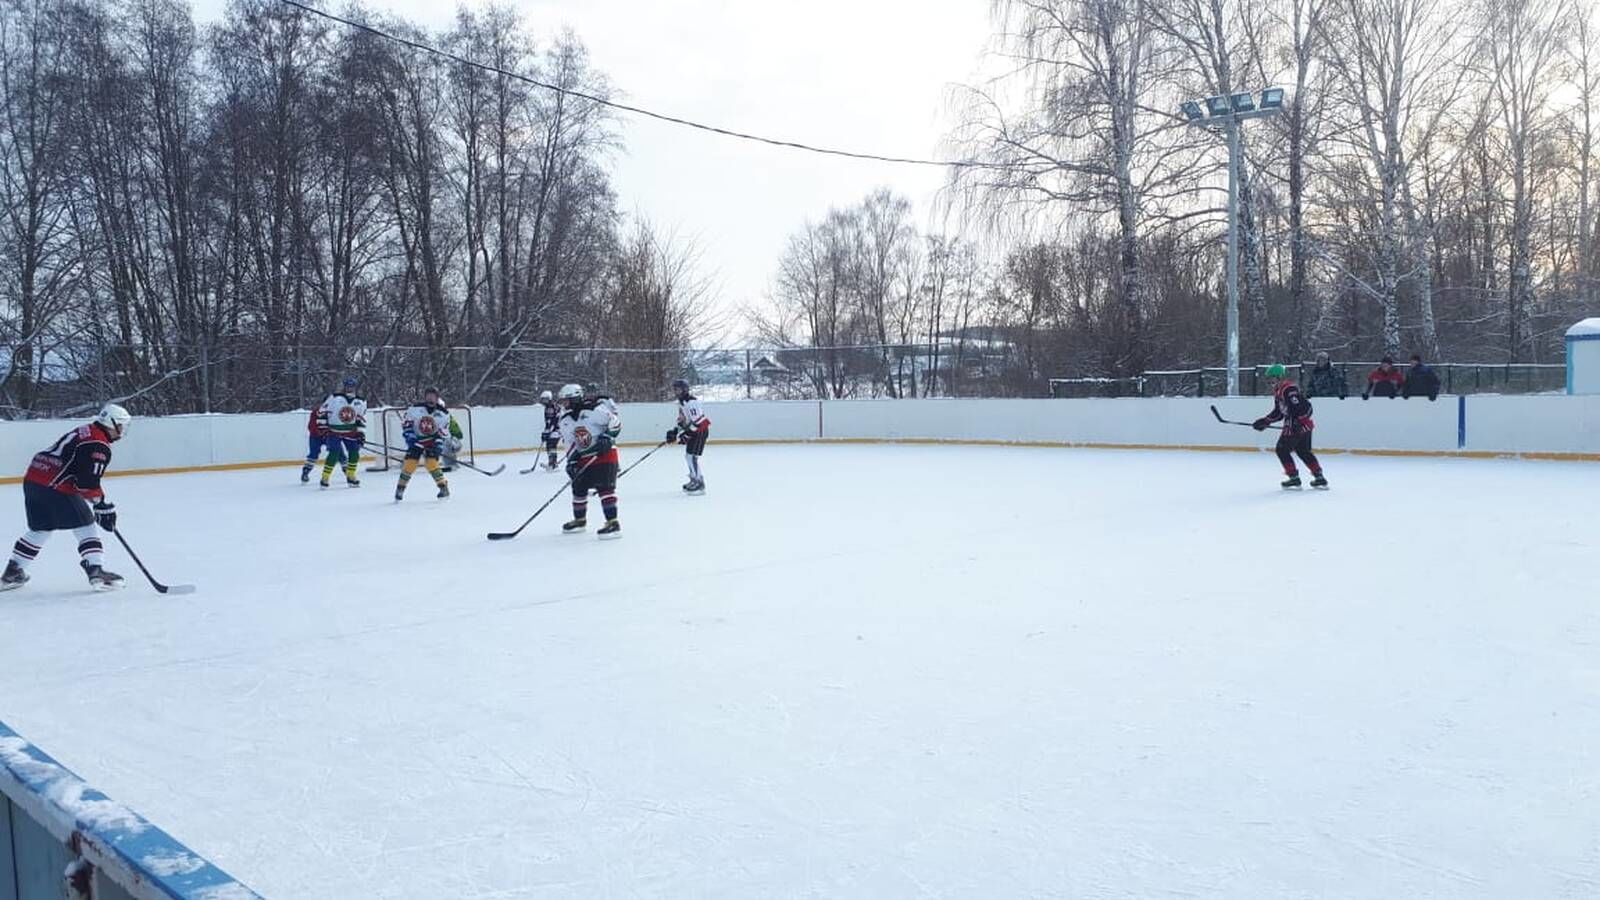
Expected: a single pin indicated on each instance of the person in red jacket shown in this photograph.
(1384, 381)
(1290, 407)
(61, 482)
(317, 430)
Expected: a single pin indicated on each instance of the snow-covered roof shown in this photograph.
(1585, 328)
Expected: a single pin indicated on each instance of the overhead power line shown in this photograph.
(636, 110)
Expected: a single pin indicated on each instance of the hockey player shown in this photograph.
(552, 426)
(692, 430)
(430, 433)
(61, 482)
(590, 428)
(317, 431)
(344, 414)
(1291, 408)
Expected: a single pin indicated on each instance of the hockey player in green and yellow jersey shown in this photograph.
(430, 432)
(344, 420)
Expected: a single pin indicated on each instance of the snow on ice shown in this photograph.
(849, 672)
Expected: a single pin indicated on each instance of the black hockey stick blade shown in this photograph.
(160, 588)
(1219, 415)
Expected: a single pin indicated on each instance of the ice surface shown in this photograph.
(849, 672)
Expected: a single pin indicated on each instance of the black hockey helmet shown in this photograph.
(430, 392)
(680, 386)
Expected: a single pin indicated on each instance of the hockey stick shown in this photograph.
(390, 453)
(1232, 422)
(508, 535)
(160, 588)
(489, 472)
(643, 458)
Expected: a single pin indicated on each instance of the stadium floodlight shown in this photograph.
(1224, 112)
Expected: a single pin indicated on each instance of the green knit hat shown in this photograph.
(1276, 370)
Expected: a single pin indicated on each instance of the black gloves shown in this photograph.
(105, 515)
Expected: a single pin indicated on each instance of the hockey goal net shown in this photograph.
(384, 430)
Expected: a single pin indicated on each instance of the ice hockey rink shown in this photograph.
(849, 671)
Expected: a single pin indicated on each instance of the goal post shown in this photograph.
(384, 429)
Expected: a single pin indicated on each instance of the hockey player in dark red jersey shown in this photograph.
(61, 483)
(551, 435)
(1290, 407)
(692, 431)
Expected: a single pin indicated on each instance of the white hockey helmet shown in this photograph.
(544, 397)
(571, 392)
(114, 419)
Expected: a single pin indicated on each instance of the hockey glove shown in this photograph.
(672, 435)
(1260, 424)
(603, 443)
(684, 436)
(574, 469)
(105, 515)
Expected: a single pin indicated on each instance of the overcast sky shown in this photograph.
(870, 75)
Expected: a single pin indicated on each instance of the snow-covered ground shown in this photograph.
(850, 672)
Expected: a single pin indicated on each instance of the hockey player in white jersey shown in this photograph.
(692, 431)
(590, 427)
(344, 417)
(430, 433)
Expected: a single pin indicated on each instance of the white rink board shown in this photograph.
(1146, 674)
(1547, 424)
(1510, 424)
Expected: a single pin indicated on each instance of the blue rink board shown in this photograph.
(50, 817)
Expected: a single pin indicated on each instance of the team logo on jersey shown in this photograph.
(347, 415)
(427, 425)
(582, 437)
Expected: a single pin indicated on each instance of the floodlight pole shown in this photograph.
(1228, 118)
(1232, 126)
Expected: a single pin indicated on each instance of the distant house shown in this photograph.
(768, 369)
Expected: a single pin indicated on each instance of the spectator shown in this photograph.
(1325, 380)
(1385, 380)
(1421, 380)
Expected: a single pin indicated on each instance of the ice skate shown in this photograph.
(610, 531)
(1292, 483)
(575, 526)
(13, 578)
(100, 579)
(1319, 483)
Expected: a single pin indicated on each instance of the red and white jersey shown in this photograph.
(691, 417)
(582, 428)
(74, 464)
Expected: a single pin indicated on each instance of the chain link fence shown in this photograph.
(68, 378)
(1454, 378)
(71, 378)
